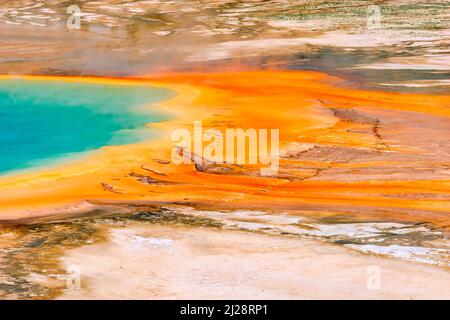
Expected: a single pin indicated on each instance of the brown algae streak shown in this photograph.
(30, 267)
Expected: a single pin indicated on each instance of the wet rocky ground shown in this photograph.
(31, 265)
(405, 49)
